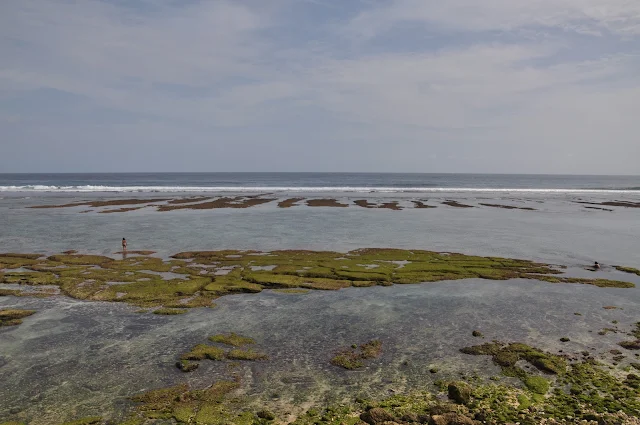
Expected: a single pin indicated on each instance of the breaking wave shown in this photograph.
(301, 189)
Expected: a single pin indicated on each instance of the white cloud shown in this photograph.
(232, 72)
(581, 16)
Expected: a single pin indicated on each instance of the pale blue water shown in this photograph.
(78, 358)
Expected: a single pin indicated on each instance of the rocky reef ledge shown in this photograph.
(195, 279)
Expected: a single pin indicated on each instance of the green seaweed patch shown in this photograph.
(536, 384)
(288, 203)
(506, 356)
(251, 355)
(203, 351)
(354, 357)
(186, 405)
(169, 311)
(13, 317)
(629, 270)
(80, 259)
(7, 292)
(325, 203)
(211, 274)
(223, 202)
(187, 366)
(232, 339)
(6, 255)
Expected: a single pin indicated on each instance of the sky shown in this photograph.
(478, 86)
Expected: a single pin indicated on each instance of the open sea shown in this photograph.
(314, 182)
(77, 358)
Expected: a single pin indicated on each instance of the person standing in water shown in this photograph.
(124, 244)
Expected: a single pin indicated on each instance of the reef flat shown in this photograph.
(553, 389)
(195, 279)
(13, 317)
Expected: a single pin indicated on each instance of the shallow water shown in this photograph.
(75, 358)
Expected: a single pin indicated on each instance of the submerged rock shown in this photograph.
(451, 419)
(186, 365)
(459, 392)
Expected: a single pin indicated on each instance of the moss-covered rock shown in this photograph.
(203, 351)
(377, 416)
(354, 357)
(232, 339)
(459, 392)
(211, 274)
(13, 317)
(238, 354)
(186, 365)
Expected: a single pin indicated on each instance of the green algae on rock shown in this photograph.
(251, 355)
(203, 351)
(207, 275)
(353, 358)
(187, 366)
(629, 270)
(13, 317)
(232, 339)
(184, 405)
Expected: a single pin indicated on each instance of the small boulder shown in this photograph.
(477, 333)
(265, 414)
(410, 417)
(377, 416)
(459, 392)
(441, 409)
(187, 366)
(451, 418)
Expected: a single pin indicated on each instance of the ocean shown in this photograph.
(77, 358)
(314, 182)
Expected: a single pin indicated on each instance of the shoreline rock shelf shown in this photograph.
(140, 279)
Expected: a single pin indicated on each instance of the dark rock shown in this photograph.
(424, 419)
(410, 417)
(441, 409)
(477, 333)
(187, 366)
(564, 339)
(265, 414)
(459, 392)
(377, 416)
(631, 345)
